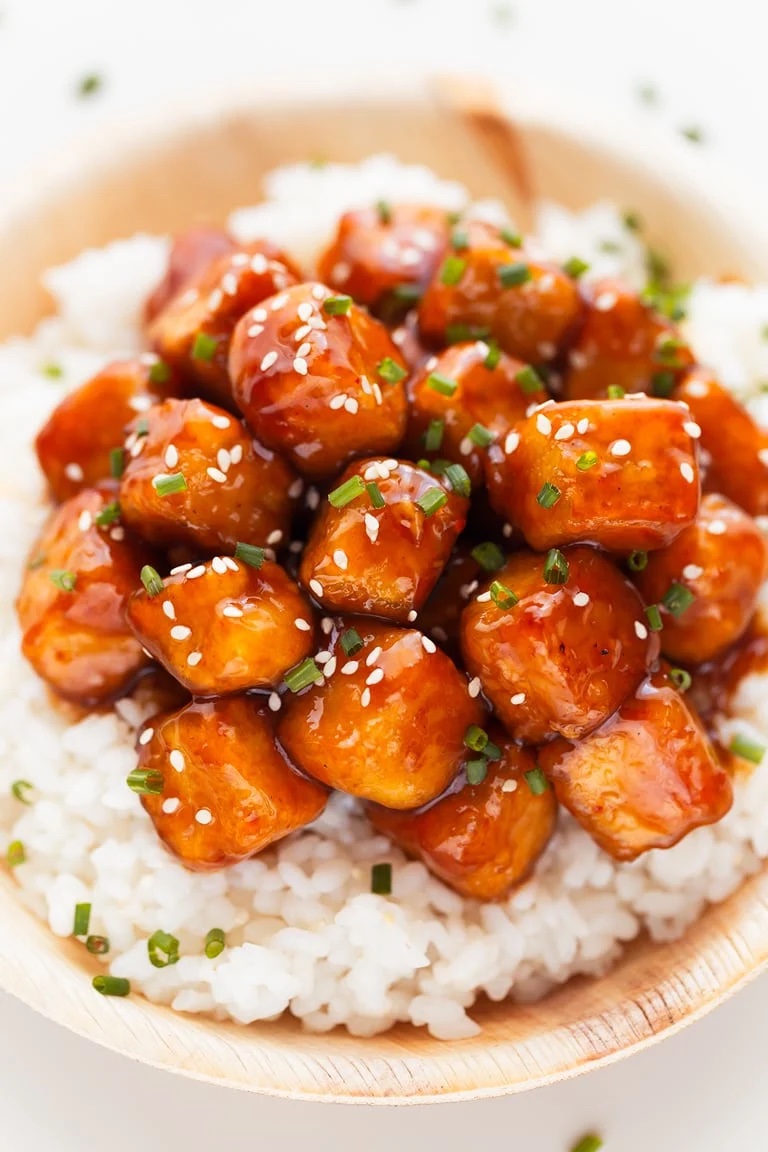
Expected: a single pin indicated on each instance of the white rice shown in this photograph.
(304, 933)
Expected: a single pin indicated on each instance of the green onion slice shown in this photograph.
(381, 879)
(475, 738)
(432, 500)
(63, 579)
(637, 561)
(145, 781)
(215, 943)
(384, 210)
(575, 267)
(52, 370)
(19, 790)
(167, 485)
(109, 513)
(152, 580)
(302, 675)
(663, 384)
(351, 642)
(163, 949)
(480, 436)
(511, 238)
(337, 305)
(407, 293)
(459, 239)
(374, 495)
(616, 392)
(112, 985)
(586, 461)
(82, 920)
(452, 270)
(465, 333)
(159, 373)
(529, 380)
(116, 463)
(536, 781)
(502, 596)
(346, 492)
(457, 477)
(590, 1143)
(681, 679)
(433, 437)
(97, 945)
(16, 854)
(492, 357)
(549, 495)
(250, 554)
(442, 384)
(655, 622)
(556, 568)
(204, 347)
(390, 371)
(477, 770)
(748, 749)
(678, 599)
(512, 275)
(489, 556)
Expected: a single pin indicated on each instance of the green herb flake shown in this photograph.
(36, 563)
(452, 271)
(648, 94)
(590, 1143)
(663, 385)
(374, 495)
(459, 239)
(748, 749)
(215, 943)
(159, 373)
(64, 580)
(511, 238)
(475, 738)
(556, 568)
(503, 597)
(82, 920)
(492, 357)
(390, 371)
(681, 679)
(432, 500)
(693, 134)
(407, 293)
(610, 247)
(52, 370)
(108, 515)
(384, 210)
(163, 949)
(337, 305)
(346, 492)
(536, 781)
(513, 275)
(489, 556)
(89, 85)
(465, 333)
(112, 985)
(204, 347)
(381, 879)
(302, 675)
(250, 554)
(616, 392)
(575, 267)
(632, 221)
(655, 622)
(20, 790)
(586, 461)
(637, 561)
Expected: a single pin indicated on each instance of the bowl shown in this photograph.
(199, 163)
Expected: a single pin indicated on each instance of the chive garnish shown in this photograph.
(529, 380)
(381, 879)
(748, 749)
(351, 642)
(19, 789)
(250, 554)
(549, 495)
(590, 1143)
(536, 781)
(575, 267)
(655, 622)
(663, 384)
(97, 945)
(407, 293)
(693, 133)
(159, 373)
(385, 211)
(637, 561)
(215, 942)
(152, 580)
(116, 463)
(82, 920)
(433, 437)
(390, 371)
(492, 751)
(163, 949)
(452, 270)
(442, 384)
(511, 238)
(502, 596)
(52, 370)
(556, 569)
(432, 500)
(145, 781)
(302, 675)
(512, 275)
(168, 485)
(204, 347)
(480, 436)
(586, 461)
(668, 349)
(632, 221)
(112, 985)
(63, 579)
(493, 356)
(109, 513)
(346, 492)
(15, 854)
(477, 770)
(457, 477)
(489, 556)
(465, 333)
(681, 679)
(374, 495)
(616, 392)
(459, 239)
(611, 247)
(677, 599)
(475, 738)
(337, 305)
(89, 84)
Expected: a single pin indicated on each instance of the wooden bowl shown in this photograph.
(200, 164)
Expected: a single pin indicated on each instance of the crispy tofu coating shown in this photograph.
(195, 475)
(225, 626)
(386, 721)
(318, 379)
(645, 779)
(226, 789)
(557, 657)
(480, 838)
(623, 474)
(76, 445)
(382, 550)
(707, 583)
(71, 607)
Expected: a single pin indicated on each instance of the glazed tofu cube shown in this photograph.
(192, 253)
(225, 626)
(440, 618)
(645, 779)
(193, 332)
(481, 838)
(734, 447)
(318, 379)
(381, 539)
(378, 250)
(531, 308)
(221, 789)
(557, 646)
(707, 583)
(623, 343)
(75, 446)
(71, 608)
(194, 475)
(623, 474)
(384, 720)
(464, 399)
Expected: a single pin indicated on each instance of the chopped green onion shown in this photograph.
(97, 945)
(748, 749)
(489, 556)
(52, 370)
(637, 561)
(616, 392)
(692, 133)
(575, 267)
(511, 238)
(407, 293)
(668, 349)
(529, 380)
(611, 247)
(549, 495)
(586, 461)
(657, 266)
(475, 738)
(163, 949)
(492, 751)
(215, 942)
(82, 920)
(452, 218)
(655, 622)
(452, 270)
(346, 492)
(536, 781)
(502, 596)
(457, 477)
(302, 675)
(632, 221)
(374, 495)
(390, 371)
(678, 599)
(442, 384)
(432, 500)
(681, 679)
(437, 467)
(649, 95)
(116, 463)
(109, 513)
(145, 781)
(459, 239)
(64, 580)
(512, 275)
(112, 985)
(493, 356)
(465, 333)
(385, 211)
(152, 580)
(250, 554)
(16, 854)
(589, 1143)
(204, 347)
(337, 305)
(351, 642)
(433, 437)
(381, 879)
(89, 84)
(556, 569)
(19, 788)
(480, 436)
(159, 373)
(168, 485)
(477, 770)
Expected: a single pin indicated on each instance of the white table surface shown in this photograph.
(705, 1089)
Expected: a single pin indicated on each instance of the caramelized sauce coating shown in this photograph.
(192, 253)
(228, 790)
(645, 779)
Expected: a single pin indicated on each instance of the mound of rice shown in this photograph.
(304, 933)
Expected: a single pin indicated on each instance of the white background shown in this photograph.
(705, 1090)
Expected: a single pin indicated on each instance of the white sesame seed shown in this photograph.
(512, 443)
(316, 587)
(583, 426)
(137, 448)
(340, 559)
(180, 632)
(319, 292)
(140, 403)
(578, 359)
(221, 421)
(299, 335)
(466, 590)
(304, 311)
(365, 697)
(409, 257)
(176, 760)
(693, 429)
(117, 533)
(431, 364)
(377, 393)
(509, 786)
(218, 565)
(484, 598)
(428, 645)
(518, 698)
(194, 573)
(303, 625)
(312, 498)
(232, 611)
(340, 272)
(371, 472)
(275, 537)
(304, 350)
(323, 657)
(259, 315)
(466, 447)
(350, 667)
(543, 425)
(230, 563)
(371, 527)
(474, 687)
(365, 386)
(565, 432)
(279, 302)
(640, 630)
(375, 677)
(698, 389)
(171, 457)
(300, 366)
(259, 263)
(326, 624)
(296, 488)
(171, 805)
(606, 301)
(85, 520)
(692, 572)
(412, 615)
(581, 599)
(255, 330)
(391, 464)
(507, 531)
(194, 659)
(217, 475)
(180, 568)
(73, 472)
(275, 703)
(329, 668)
(687, 472)
(351, 405)
(229, 284)
(546, 348)
(399, 336)
(268, 360)
(373, 656)
(223, 459)
(338, 401)
(146, 736)
(620, 448)
(763, 456)
(203, 816)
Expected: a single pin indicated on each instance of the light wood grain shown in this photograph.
(199, 165)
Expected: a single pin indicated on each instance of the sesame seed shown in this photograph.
(377, 393)
(399, 336)
(763, 456)
(692, 572)
(316, 587)
(136, 449)
(194, 659)
(512, 443)
(337, 402)
(466, 590)
(373, 656)
(365, 386)
(259, 264)
(117, 533)
(171, 457)
(230, 563)
(578, 359)
(275, 537)
(268, 360)
(543, 424)
(180, 632)
(687, 472)
(232, 611)
(640, 630)
(255, 330)
(565, 432)
(431, 364)
(296, 488)
(259, 315)
(484, 598)
(466, 447)
(319, 292)
(146, 736)
(300, 366)
(140, 403)
(693, 429)
(581, 599)
(216, 299)
(340, 559)
(73, 472)
(217, 475)
(304, 350)
(372, 472)
(303, 625)
(375, 677)
(326, 624)
(179, 569)
(229, 284)
(323, 657)
(84, 520)
(412, 615)
(194, 573)
(305, 311)
(223, 459)
(221, 421)
(330, 668)
(429, 645)
(365, 697)
(171, 805)
(507, 531)
(371, 527)
(546, 348)
(620, 448)
(698, 389)
(351, 405)
(606, 301)
(509, 786)
(218, 565)
(203, 816)
(350, 668)
(409, 257)
(274, 702)
(474, 687)
(176, 760)
(340, 272)
(299, 335)
(312, 498)
(518, 698)
(279, 302)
